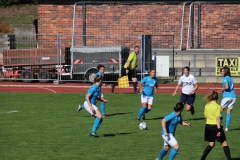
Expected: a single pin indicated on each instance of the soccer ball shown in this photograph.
(142, 126)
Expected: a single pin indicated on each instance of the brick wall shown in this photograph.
(122, 24)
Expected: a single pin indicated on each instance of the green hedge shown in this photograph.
(6, 3)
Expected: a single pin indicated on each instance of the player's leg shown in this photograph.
(208, 136)
(133, 75)
(97, 121)
(103, 106)
(224, 104)
(229, 116)
(222, 140)
(183, 98)
(149, 106)
(143, 108)
(170, 139)
(80, 107)
(163, 151)
(190, 101)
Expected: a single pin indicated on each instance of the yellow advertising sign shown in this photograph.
(232, 63)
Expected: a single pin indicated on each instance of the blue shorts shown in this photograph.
(188, 99)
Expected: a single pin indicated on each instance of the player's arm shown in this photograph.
(195, 88)
(175, 91)
(156, 88)
(140, 86)
(164, 122)
(186, 124)
(130, 57)
(102, 100)
(224, 88)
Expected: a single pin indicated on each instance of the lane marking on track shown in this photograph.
(3, 112)
(48, 89)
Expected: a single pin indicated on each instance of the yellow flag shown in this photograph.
(123, 82)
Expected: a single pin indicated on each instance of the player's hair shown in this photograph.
(186, 67)
(226, 71)
(100, 66)
(213, 95)
(178, 107)
(136, 47)
(152, 69)
(97, 79)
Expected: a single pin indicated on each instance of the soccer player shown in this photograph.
(148, 85)
(213, 130)
(91, 97)
(100, 73)
(229, 96)
(189, 88)
(130, 69)
(169, 124)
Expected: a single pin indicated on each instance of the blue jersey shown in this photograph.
(229, 93)
(94, 90)
(172, 120)
(149, 84)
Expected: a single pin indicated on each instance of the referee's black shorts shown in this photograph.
(211, 134)
(131, 73)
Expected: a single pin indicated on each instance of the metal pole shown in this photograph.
(173, 59)
(199, 26)
(84, 23)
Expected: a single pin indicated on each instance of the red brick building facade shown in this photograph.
(212, 25)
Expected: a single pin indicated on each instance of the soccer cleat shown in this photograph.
(79, 108)
(192, 110)
(93, 134)
(104, 115)
(226, 129)
(138, 119)
(136, 92)
(143, 116)
(112, 87)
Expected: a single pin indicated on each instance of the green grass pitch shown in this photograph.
(47, 127)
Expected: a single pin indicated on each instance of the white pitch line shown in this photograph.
(9, 112)
(48, 89)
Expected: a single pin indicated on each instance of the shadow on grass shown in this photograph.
(157, 118)
(235, 158)
(117, 134)
(114, 114)
(197, 119)
(235, 129)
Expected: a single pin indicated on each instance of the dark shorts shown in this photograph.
(131, 74)
(188, 99)
(211, 134)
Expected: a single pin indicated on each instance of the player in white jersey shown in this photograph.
(189, 88)
(229, 96)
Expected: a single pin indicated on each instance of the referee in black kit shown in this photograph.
(213, 130)
(130, 69)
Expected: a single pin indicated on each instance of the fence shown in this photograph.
(47, 57)
(213, 25)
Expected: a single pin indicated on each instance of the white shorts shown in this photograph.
(146, 99)
(169, 140)
(86, 106)
(228, 102)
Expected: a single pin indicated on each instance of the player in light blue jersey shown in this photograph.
(147, 87)
(100, 73)
(169, 125)
(91, 98)
(229, 96)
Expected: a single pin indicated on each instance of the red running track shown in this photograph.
(69, 87)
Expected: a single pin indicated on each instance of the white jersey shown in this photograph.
(188, 83)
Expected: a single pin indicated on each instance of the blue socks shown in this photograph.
(82, 106)
(141, 112)
(221, 117)
(173, 153)
(147, 110)
(103, 108)
(96, 124)
(162, 154)
(228, 119)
